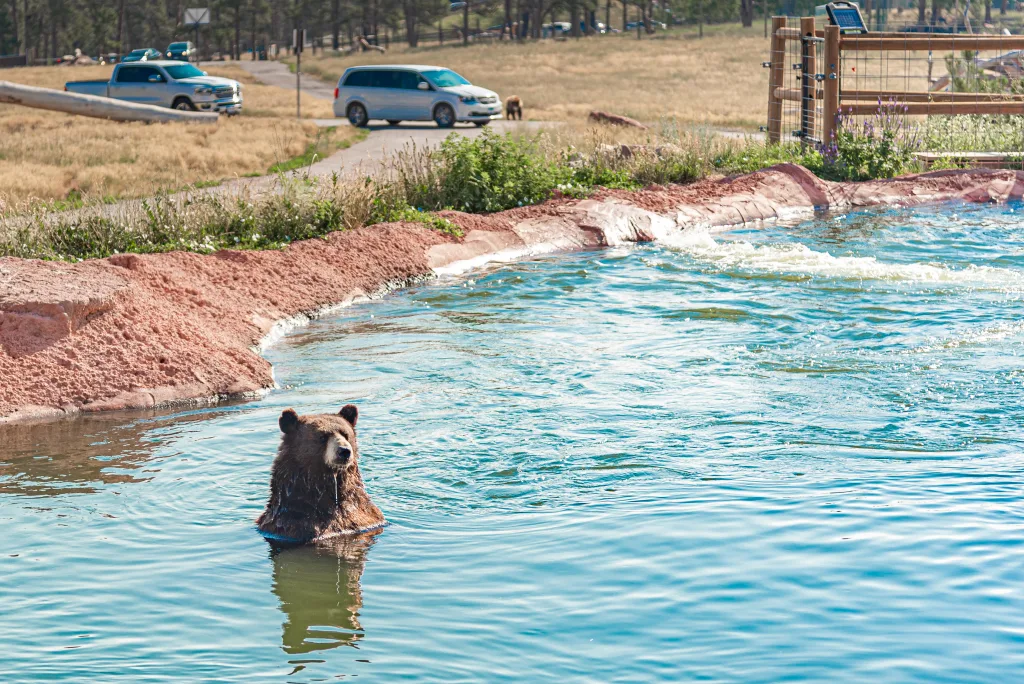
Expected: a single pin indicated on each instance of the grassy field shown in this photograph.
(717, 80)
(46, 156)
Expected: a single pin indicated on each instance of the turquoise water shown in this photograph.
(784, 454)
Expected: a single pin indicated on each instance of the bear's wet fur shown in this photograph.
(316, 489)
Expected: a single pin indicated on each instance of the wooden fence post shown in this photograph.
(777, 61)
(808, 63)
(832, 84)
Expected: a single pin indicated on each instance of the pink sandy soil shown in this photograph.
(137, 331)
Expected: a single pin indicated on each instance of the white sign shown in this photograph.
(299, 40)
(197, 15)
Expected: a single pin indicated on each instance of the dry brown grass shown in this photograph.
(46, 155)
(717, 80)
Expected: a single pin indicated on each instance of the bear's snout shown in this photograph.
(338, 454)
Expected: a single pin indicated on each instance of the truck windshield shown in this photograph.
(445, 78)
(180, 71)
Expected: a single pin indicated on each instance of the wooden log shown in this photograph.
(936, 108)
(917, 43)
(832, 84)
(94, 106)
(898, 96)
(776, 75)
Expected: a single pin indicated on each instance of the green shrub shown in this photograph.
(384, 211)
(974, 133)
(882, 146)
(487, 174)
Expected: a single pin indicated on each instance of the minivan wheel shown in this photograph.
(357, 115)
(444, 116)
(393, 122)
(183, 104)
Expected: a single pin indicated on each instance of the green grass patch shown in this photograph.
(383, 212)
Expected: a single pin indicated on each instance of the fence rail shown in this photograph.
(817, 57)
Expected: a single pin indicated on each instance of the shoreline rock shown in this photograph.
(147, 330)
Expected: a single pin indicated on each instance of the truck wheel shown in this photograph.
(183, 104)
(357, 115)
(444, 116)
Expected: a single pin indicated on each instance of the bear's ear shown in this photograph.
(349, 413)
(288, 420)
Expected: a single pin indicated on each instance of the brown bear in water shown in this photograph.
(316, 490)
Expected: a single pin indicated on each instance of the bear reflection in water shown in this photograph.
(318, 586)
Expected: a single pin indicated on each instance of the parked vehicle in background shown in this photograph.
(555, 29)
(412, 92)
(142, 55)
(633, 25)
(183, 52)
(166, 84)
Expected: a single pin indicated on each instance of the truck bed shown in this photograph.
(87, 87)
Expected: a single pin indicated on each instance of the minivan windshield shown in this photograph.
(180, 71)
(445, 78)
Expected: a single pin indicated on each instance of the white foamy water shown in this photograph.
(797, 259)
(974, 337)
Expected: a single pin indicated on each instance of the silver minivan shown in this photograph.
(412, 92)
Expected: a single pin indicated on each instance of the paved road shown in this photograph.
(383, 141)
(277, 74)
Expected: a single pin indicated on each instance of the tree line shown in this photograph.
(48, 29)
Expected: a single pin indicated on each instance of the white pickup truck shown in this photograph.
(166, 83)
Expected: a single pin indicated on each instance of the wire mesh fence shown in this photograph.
(795, 112)
(956, 95)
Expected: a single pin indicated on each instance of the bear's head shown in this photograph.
(316, 489)
(322, 440)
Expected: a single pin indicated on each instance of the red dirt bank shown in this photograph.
(135, 331)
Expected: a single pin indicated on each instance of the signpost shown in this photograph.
(196, 17)
(298, 40)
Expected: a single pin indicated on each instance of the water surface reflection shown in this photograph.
(82, 454)
(320, 594)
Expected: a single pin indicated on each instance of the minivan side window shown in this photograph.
(358, 79)
(385, 78)
(409, 80)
